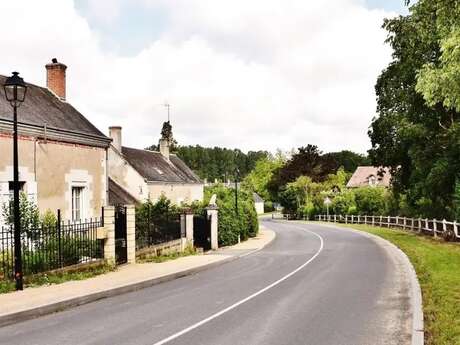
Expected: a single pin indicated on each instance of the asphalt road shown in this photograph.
(313, 285)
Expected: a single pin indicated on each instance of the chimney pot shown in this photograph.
(115, 134)
(56, 78)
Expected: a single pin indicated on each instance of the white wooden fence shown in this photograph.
(437, 228)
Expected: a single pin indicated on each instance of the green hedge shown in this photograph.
(231, 225)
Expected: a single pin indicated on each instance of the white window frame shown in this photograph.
(82, 201)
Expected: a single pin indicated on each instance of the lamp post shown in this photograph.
(15, 93)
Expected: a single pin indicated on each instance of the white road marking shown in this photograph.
(235, 305)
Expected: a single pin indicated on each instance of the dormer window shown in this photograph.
(372, 180)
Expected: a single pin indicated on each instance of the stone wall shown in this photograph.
(50, 169)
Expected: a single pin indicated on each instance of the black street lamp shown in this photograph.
(15, 93)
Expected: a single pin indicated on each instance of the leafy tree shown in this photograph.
(417, 132)
(307, 161)
(348, 160)
(166, 134)
(259, 178)
(344, 203)
(219, 163)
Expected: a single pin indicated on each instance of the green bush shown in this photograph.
(371, 201)
(231, 225)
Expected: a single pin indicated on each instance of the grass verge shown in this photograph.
(189, 250)
(57, 277)
(437, 264)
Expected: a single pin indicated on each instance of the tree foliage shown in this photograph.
(219, 163)
(259, 178)
(417, 130)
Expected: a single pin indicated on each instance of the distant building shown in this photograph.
(259, 203)
(146, 175)
(366, 176)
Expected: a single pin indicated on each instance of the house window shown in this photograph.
(77, 203)
(372, 180)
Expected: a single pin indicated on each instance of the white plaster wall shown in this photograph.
(260, 209)
(126, 176)
(176, 192)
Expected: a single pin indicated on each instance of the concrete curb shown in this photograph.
(33, 313)
(416, 292)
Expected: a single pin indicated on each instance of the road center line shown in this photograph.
(233, 306)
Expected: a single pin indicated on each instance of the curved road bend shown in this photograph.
(313, 285)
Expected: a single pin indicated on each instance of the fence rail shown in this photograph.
(433, 227)
(52, 246)
(152, 230)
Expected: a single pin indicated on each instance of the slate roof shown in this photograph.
(156, 168)
(43, 107)
(119, 196)
(360, 177)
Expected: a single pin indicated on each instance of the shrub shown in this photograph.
(371, 201)
(231, 225)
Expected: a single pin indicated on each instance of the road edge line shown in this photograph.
(416, 300)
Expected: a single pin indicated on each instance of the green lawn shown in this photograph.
(437, 264)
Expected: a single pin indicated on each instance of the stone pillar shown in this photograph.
(131, 233)
(109, 225)
(189, 227)
(212, 212)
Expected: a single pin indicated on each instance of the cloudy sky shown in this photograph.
(252, 74)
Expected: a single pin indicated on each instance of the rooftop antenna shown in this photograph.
(168, 106)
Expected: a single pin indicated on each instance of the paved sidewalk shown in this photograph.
(34, 302)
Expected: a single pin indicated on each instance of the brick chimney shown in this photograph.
(55, 78)
(115, 134)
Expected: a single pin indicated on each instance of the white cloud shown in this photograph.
(257, 74)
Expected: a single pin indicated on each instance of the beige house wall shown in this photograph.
(260, 209)
(50, 170)
(126, 176)
(176, 192)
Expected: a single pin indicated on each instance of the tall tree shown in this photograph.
(418, 140)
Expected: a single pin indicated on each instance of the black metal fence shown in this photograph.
(154, 229)
(51, 246)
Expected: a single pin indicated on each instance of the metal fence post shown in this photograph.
(59, 238)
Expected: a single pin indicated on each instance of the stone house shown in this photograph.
(62, 156)
(146, 175)
(370, 176)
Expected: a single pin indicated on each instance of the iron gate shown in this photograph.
(202, 232)
(121, 248)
